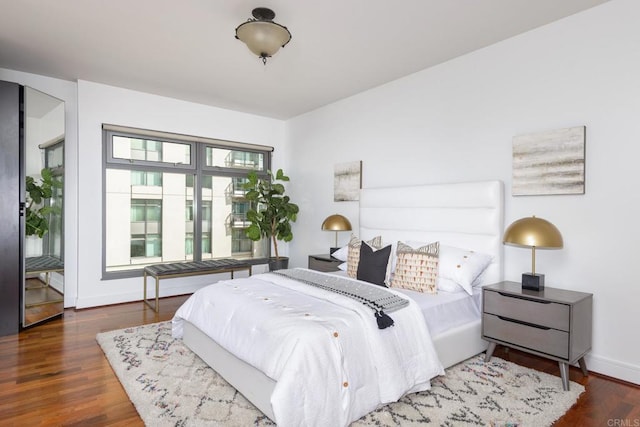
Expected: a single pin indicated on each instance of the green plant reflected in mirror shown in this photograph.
(38, 210)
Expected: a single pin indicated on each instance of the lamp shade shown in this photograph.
(262, 36)
(533, 232)
(336, 222)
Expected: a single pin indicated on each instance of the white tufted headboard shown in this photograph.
(466, 215)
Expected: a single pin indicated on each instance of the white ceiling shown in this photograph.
(186, 48)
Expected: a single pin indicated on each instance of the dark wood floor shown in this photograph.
(56, 374)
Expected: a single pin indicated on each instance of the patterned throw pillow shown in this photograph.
(417, 269)
(353, 257)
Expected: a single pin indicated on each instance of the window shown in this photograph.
(169, 198)
(146, 229)
(234, 158)
(53, 240)
(153, 179)
(128, 148)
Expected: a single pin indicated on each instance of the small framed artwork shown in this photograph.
(549, 163)
(347, 181)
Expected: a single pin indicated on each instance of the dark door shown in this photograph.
(10, 199)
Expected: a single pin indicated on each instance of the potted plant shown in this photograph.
(37, 211)
(271, 213)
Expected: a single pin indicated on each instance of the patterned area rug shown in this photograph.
(171, 386)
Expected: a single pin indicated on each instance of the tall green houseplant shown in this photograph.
(271, 212)
(37, 212)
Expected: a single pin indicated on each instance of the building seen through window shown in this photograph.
(160, 207)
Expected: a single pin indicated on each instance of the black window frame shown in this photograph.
(197, 168)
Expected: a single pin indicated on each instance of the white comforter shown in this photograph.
(331, 362)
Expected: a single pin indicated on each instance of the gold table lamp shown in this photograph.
(534, 233)
(336, 223)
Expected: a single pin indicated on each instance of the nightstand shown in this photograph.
(324, 262)
(553, 323)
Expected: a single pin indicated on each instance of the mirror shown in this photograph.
(43, 247)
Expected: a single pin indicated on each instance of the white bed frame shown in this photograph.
(465, 215)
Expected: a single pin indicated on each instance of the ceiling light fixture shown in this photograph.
(261, 35)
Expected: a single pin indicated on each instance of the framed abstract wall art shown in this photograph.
(347, 181)
(549, 162)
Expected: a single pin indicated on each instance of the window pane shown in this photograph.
(137, 178)
(137, 246)
(54, 238)
(153, 210)
(188, 244)
(206, 244)
(154, 248)
(189, 211)
(150, 150)
(137, 210)
(234, 158)
(224, 221)
(154, 178)
(54, 156)
(146, 224)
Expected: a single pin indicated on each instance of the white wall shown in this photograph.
(67, 92)
(456, 121)
(98, 104)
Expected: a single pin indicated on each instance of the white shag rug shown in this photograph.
(170, 386)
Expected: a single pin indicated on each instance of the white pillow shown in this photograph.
(448, 285)
(461, 266)
(342, 267)
(341, 254)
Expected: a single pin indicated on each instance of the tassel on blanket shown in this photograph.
(384, 321)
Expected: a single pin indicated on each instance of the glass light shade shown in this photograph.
(533, 232)
(263, 38)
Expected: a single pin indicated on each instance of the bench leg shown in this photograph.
(155, 307)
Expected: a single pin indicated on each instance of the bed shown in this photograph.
(461, 215)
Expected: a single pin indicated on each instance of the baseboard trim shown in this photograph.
(613, 368)
(165, 291)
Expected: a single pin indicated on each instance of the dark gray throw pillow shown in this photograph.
(372, 267)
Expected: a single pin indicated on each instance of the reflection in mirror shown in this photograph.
(43, 288)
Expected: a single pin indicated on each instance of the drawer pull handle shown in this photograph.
(506, 319)
(524, 298)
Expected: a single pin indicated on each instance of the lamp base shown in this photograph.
(332, 250)
(533, 282)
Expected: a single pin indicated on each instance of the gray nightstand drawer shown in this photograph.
(543, 313)
(549, 341)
